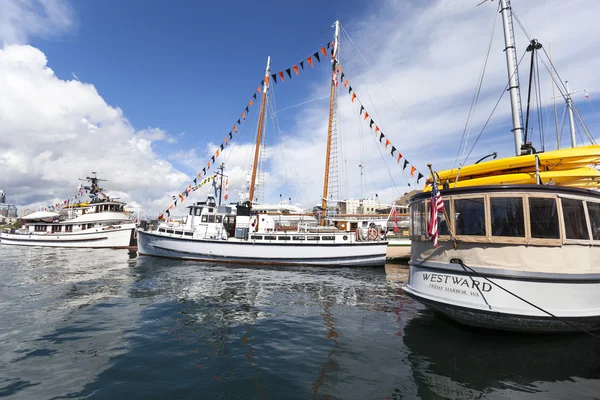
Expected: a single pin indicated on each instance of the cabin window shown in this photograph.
(40, 228)
(170, 231)
(188, 233)
(574, 217)
(257, 237)
(508, 218)
(210, 210)
(83, 227)
(594, 212)
(68, 228)
(417, 215)
(198, 211)
(443, 228)
(312, 238)
(283, 238)
(211, 218)
(179, 232)
(270, 237)
(161, 230)
(90, 226)
(327, 237)
(543, 215)
(55, 228)
(191, 211)
(470, 216)
(353, 226)
(218, 219)
(298, 238)
(204, 218)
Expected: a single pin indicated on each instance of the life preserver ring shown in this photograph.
(372, 234)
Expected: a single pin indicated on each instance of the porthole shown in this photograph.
(345, 237)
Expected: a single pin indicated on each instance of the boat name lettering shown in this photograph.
(467, 282)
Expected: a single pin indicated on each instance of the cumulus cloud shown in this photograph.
(53, 131)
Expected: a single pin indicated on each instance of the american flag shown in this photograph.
(436, 205)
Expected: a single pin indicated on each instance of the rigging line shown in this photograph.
(486, 122)
(572, 325)
(304, 103)
(474, 101)
(378, 80)
(583, 124)
(539, 102)
(562, 123)
(378, 147)
(293, 171)
(278, 136)
(594, 112)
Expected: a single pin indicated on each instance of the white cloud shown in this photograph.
(21, 19)
(53, 131)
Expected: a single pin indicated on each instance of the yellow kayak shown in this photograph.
(558, 159)
(577, 177)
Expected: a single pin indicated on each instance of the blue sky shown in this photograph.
(160, 84)
(189, 67)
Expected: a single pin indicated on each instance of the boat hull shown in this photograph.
(247, 252)
(502, 300)
(119, 238)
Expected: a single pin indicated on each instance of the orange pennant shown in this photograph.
(295, 67)
(217, 153)
(309, 59)
(339, 68)
(366, 115)
(324, 51)
(281, 75)
(226, 141)
(345, 83)
(235, 128)
(208, 164)
(399, 156)
(244, 116)
(199, 176)
(376, 129)
(258, 89)
(387, 143)
(250, 102)
(353, 97)
(412, 170)
(171, 207)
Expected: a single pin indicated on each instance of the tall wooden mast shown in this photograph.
(332, 92)
(261, 118)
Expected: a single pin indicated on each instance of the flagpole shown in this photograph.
(336, 39)
(261, 117)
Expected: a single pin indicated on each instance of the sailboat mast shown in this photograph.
(261, 117)
(571, 118)
(511, 64)
(336, 39)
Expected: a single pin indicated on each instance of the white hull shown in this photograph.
(101, 237)
(248, 252)
(474, 300)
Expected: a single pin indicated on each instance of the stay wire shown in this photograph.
(485, 125)
(378, 80)
(468, 124)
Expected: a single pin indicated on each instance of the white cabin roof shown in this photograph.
(97, 217)
(40, 215)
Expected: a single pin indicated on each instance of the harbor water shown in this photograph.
(106, 324)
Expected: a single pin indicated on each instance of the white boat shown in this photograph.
(252, 234)
(99, 223)
(511, 256)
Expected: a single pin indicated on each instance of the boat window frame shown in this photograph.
(485, 238)
(544, 241)
(525, 239)
(566, 241)
(594, 242)
(411, 233)
(448, 213)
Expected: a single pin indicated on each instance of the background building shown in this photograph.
(7, 210)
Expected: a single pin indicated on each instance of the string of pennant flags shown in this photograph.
(376, 130)
(202, 176)
(310, 60)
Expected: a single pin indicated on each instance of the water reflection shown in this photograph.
(452, 361)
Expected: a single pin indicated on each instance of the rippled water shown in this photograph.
(107, 324)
